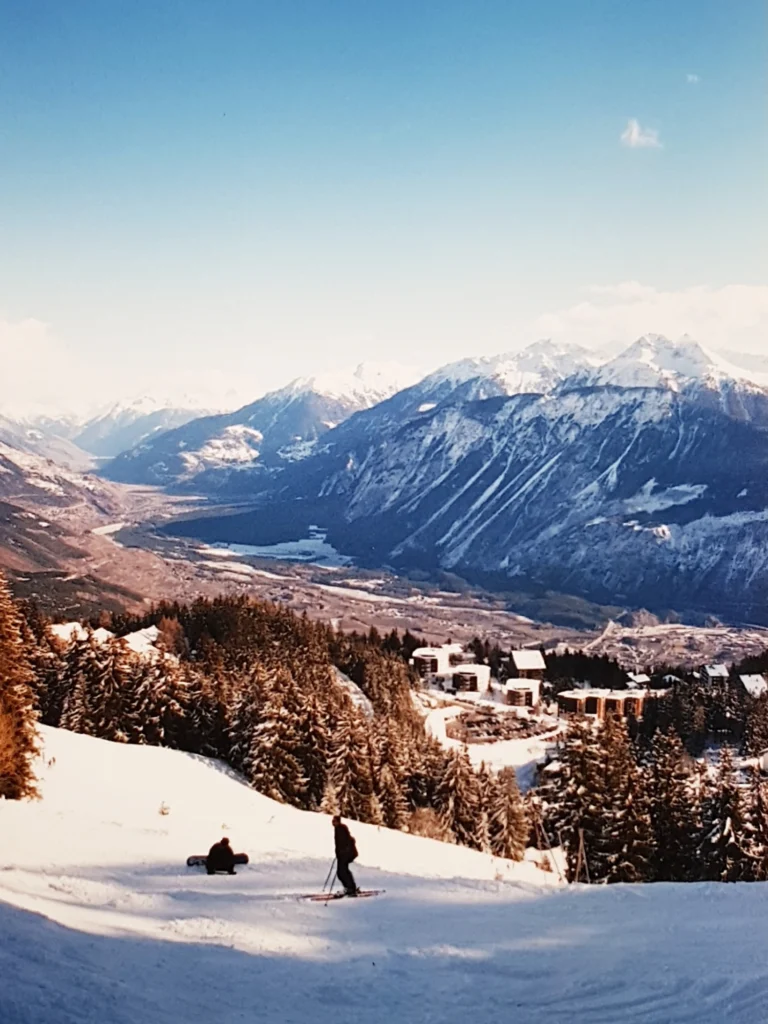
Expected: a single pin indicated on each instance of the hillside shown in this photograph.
(100, 920)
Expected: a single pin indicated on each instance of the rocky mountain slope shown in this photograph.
(221, 453)
(28, 437)
(643, 481)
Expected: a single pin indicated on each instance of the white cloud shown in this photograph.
(640, 138)
(734, 317)
(692, 79)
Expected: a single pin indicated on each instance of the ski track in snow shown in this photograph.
(99, 920)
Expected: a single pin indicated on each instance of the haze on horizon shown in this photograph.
(218, 198)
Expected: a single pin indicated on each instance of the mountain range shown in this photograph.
(637, 479)
(222, 453)
(640, 480)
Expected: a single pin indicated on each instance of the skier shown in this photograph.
(346, 852)
(220, 858)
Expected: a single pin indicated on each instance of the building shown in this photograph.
(600, 703)
(755, 686)
(436, 661)
(715, 674)
(638, 679)
(528, 664)
(522, 693)
(471, 677)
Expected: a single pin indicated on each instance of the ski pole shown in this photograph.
(333, 865)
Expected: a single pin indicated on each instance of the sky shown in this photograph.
(212, 198)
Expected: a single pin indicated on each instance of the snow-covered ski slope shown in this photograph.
(100, 920)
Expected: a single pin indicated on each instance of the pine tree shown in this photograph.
(105, 704)
(675, 810)
(18, 741)
(722, 851)
(349, 769)
(626, 815)
(755, 843)
(508, 823)
(272, 765)
(756, 731)
(459, 802)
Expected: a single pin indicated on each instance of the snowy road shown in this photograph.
(99, 923)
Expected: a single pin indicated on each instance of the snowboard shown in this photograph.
(327, 897)
(199, 860)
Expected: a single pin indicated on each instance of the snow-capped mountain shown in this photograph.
(536, 369)
(646, 485)
(123, 425)
(32, 439)
(654, 361)
(211, 452)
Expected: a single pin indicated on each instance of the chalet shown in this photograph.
(755, 686)
(637, 680)
(436, 661)
(601, 703)
(471, 677)
(528, 664)
(715, 674)
(522, 693)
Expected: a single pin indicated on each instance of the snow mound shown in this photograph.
(100, 920)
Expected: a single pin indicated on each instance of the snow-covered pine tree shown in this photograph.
(349, 769)
(570, 796)
(105, 703)
(755, 828)
(310, 723)
(507, 820)
(675, 810)
(391, 775)
(274, 768)
(250, 693)
(628, 832)
(80, 666)
(756, 731)
(458, 801)
(18, 738)
(394, 807)
(46, 663)
(722, 851)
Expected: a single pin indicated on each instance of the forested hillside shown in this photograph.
(258, 687)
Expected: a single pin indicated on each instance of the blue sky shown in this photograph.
(191, 192)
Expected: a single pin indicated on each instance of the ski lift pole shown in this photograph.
(543, 832)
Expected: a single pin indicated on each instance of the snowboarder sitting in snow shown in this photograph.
(346, 852)
(220, 858)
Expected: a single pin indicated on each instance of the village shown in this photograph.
(468, 704)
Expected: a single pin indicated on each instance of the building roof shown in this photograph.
(755, 686)
(716, 671)
(427, 652)
(472, 668)
(609, 694)
(520, 684)
(526, 661)
(638, 678)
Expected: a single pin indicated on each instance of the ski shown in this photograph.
(326, 897)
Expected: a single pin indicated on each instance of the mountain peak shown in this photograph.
(364, 385)
(657, 361)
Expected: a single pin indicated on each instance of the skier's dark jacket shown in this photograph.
(346, 850)
(220, 858)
